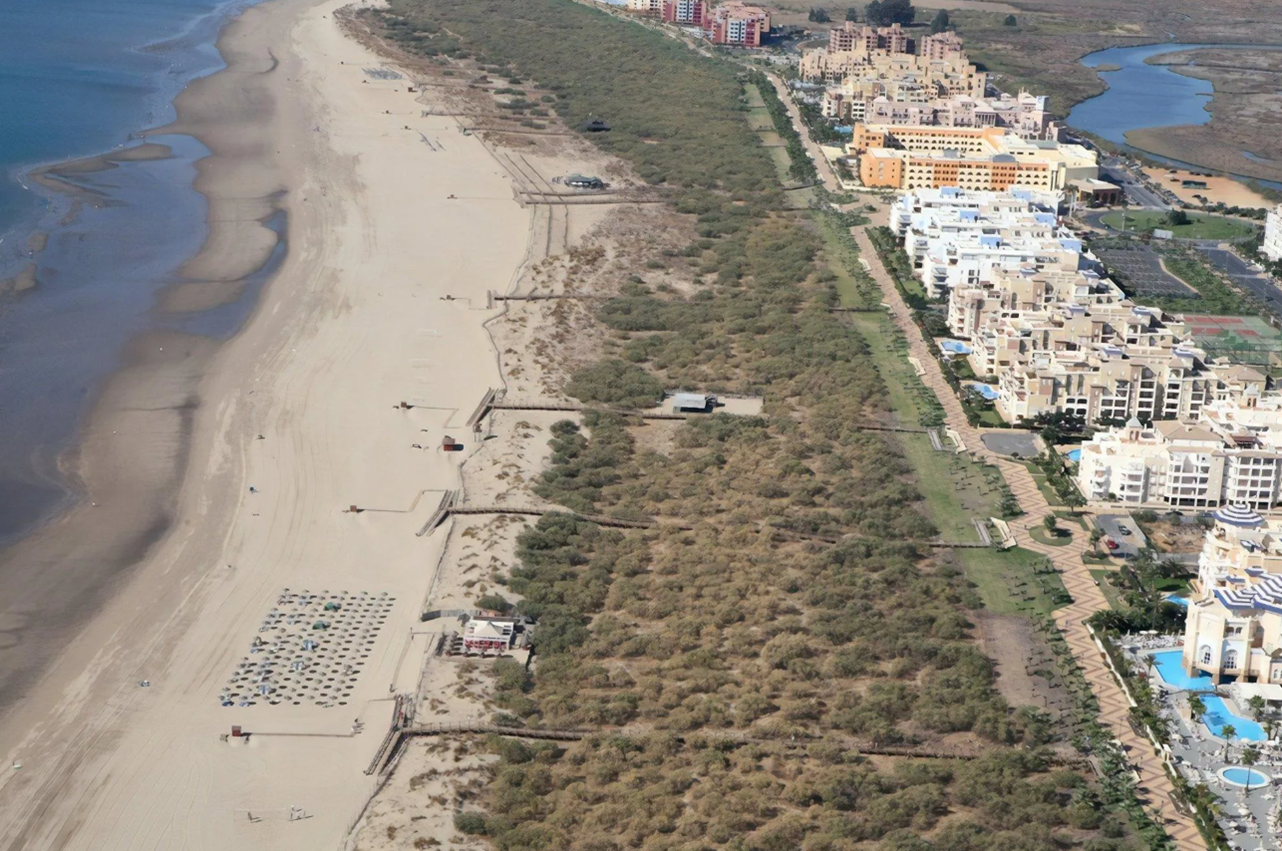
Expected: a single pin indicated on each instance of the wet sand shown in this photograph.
(167, 569)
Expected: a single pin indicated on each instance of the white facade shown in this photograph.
(1216, 460)
(1272, 247)
(1234, 622)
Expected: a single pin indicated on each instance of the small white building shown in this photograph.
(693, 402)
(489, 634)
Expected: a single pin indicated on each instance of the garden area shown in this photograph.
(1181, 224)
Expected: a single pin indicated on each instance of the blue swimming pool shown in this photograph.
(986, 390)
(1178, 599)
(1239, 776)
(1218, 714)
(1170, 667)
(1074, 455)
(954, 347)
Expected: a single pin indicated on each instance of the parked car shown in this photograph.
(1124, 530)
(1111, 544)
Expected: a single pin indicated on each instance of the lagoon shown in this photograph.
(1140, 95)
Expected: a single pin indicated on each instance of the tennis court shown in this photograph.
(1237, 339)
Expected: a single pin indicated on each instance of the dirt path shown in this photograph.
(1155, 788)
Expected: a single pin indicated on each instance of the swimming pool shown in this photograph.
(986, 390)
(1170, 667)
(954, 347)
(1074, 455)
(1218, 714)
(1178, 599)
(1239, 776)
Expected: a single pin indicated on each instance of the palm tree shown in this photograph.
(1228, 731)
(1257, 706)
(1250, 756)
(1197, 708)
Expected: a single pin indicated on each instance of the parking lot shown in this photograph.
(1128, 545)
(1140, 270)
(1012, 443)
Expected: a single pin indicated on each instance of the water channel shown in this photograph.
(1141, 95)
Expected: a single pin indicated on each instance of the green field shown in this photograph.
(1200, 226)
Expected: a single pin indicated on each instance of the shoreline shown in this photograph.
(373, 303)
(65, 566)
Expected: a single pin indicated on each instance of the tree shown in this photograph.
(1228, 731)
(1175, 218)
(1097, 535)
(1010, 21)
(883, 13)
(1250, 756)
(940, 22)
(1197, 708)
(818, 15)
(852, 14)
(1257, 706)
(1051, 522)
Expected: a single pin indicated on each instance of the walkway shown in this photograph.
(1155, 787)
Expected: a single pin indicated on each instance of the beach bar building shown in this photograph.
(489, 634)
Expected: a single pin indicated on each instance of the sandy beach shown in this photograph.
(219, 477)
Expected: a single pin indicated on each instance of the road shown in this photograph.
(1113, 168)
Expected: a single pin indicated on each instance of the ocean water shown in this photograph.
(80, 78)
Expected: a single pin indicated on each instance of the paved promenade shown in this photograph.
(1155, 788)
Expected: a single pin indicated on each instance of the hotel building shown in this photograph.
(1233, 628)
(992, 158)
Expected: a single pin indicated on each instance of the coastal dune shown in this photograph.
(266, 441)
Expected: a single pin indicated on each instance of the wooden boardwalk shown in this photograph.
(1155, 787)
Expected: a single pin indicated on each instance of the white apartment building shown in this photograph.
(1218, 458)
(989, 203)
(967, 258)
(1234, 622)
(1272, 247)
(953, 224)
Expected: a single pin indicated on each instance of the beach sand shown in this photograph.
(1233, 193)
(355, 322)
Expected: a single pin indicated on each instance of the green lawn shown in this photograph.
(1014, 582)
(1201, 226)
(1043, 485)
(1104, 578)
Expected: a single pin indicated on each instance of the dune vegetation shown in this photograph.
(755, 685)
